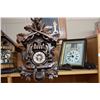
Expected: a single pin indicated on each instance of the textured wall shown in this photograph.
(80, 27)
(13, 26)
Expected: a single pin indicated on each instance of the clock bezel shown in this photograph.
(83, 53)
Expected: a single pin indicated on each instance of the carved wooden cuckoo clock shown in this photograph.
(8, 54)
(37, 54)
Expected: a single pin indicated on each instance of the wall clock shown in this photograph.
(8, 53)
(73, 52)
(37, 55)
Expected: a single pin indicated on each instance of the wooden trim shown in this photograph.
(78, 72)
(98, 36)
(11, 75)
(9, 79)
(8, 38)
(62, 28)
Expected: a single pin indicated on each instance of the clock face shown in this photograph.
(73, 52)
(5, 56)
(73, 56)
(39, 58)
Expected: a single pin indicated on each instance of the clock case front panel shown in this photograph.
(69, 50)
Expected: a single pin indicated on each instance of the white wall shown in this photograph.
(13, 26)
(80, 27)
(76, 27)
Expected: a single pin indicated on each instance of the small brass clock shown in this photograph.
(73, 52)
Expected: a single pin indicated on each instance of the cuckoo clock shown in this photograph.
(7, 52)
(37, 54)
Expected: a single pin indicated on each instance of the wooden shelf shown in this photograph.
(11, 75)
(78, 72)
(62, 72)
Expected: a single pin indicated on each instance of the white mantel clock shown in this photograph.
(73, 52)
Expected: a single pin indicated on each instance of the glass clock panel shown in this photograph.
(73, 52)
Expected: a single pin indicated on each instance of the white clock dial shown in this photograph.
(39, 57)
(73, 56)
(5, 56)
